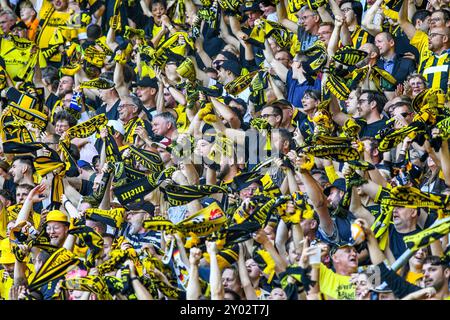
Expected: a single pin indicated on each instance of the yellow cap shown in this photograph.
(57, 216)
(6, 255)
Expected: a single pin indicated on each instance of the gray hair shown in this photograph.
(168, 117)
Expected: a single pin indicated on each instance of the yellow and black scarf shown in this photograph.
(55, 266)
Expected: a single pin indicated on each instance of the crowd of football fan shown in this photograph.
(224, 150)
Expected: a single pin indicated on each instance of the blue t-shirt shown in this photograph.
(296, 90)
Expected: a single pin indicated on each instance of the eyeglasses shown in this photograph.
(125, 105)
(305, 17)
(432, 35)
(405, 114)
(435, 19)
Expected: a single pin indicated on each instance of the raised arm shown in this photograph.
(193, 290)
(407, 27)
(246, 283)
(368, 19)
(277, 66)
(317, 197)
(226, 113)
(280, 263)
(215, 277)
(283, 19)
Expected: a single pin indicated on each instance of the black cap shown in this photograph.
(245, 179)
(335, 247)
(146, 82)
(338, 183)
(229, 55)
(141, 205)
(251, 6)
(232, 66)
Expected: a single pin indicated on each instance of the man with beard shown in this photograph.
(433, 47)
(436, 273)
(134, 232)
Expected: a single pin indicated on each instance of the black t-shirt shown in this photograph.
(370, 130)
(396, 242)
(87, 185)
(51, 101)
(113, 113)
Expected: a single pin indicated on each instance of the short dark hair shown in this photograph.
(26, 160)
(356, 7)
(379, 98)
(436, 261)
(94, 31)
(420, 15)
(64, 115)
(26, 186)
(162, 2)
(276, 110)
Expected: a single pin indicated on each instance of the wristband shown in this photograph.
(134, 278)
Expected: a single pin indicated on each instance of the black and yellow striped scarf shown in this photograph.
(130, 127)
(55, 266)
(202, 223)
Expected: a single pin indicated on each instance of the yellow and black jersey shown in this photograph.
(433, 67)
(50, 20)
(15, 56)
(360, 37)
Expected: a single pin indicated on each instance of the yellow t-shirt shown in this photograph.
(335, 285)
(52, 20)
(413, 277)
(6, 284)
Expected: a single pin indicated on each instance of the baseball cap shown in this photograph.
(338, 183)
(232, 66)
(117, 125)
(146, 82)
(335, 247)
(84, 164)
(251, 6)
